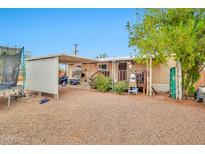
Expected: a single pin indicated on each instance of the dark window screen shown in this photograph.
(122, 66)
(103, 66)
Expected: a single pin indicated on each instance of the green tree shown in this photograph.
(103, 55)
(167, 32)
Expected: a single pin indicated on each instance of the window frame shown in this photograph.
(101, 69)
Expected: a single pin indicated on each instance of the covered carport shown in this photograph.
(42, 72)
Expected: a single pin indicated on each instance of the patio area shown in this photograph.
(88, 117)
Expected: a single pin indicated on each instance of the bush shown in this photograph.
(103, 83)
(191, 91)
(121, 86)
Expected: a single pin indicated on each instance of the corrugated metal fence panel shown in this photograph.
(42, 75)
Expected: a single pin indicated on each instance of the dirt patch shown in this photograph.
(90, 117)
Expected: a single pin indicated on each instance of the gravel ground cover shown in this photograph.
(90, 117)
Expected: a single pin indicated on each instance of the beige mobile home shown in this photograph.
(119, 69)
(42, 72)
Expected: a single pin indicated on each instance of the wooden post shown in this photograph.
(150, 78)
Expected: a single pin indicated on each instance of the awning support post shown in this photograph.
(147, 77)
(23, 68)
(180, 80)
(150, 78)
(112, 76)
(9, 100)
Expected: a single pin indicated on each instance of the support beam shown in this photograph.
(114, 71)
(112, 76)
(23, 68)
(9, 100)
(66, 69)
(23, 92)
(55, 96)
(177, 80)
(180, 81)
(39, 94)
(87, 74)
(114, 68)
(147, 77)
(150, 78)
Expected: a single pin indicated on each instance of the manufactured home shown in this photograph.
(43, 72)
(119, 68)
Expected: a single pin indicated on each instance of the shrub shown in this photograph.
(103, 83)
(121, 86)
(191, 91)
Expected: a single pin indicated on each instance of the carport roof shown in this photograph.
(65, 58)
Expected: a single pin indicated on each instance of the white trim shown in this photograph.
(117, 59)
(58, 55)
(73, 56)
(125, 58)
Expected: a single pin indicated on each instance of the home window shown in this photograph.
(102, 66)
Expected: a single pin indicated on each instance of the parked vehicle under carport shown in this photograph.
(63, 80)
(199, 95)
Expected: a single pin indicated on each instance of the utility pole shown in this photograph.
(76, 49)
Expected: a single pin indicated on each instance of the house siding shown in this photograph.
(160, 73)
(201, 81)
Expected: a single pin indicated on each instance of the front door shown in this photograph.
(122, 71)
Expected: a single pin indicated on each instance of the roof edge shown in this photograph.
(56, 55)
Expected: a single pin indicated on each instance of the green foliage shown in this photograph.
(103, 83)
(121, 86)
(191, 91)
(167, 32)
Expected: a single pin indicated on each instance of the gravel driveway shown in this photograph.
(90, 117)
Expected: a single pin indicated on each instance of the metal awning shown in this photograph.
(65, 58)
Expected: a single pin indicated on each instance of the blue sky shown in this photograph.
(47, 31)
